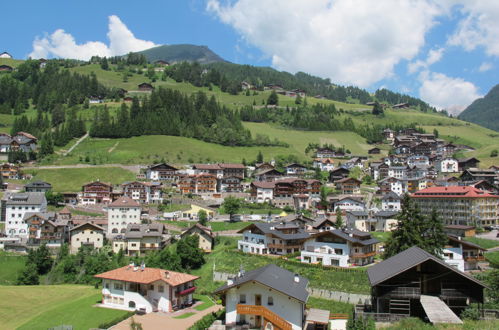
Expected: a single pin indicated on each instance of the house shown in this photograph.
(120, 214)
(43, 228)
(6, 68)
(291, 186)
(146, 289)
(391, 202)
(325, 153)
(360, 220)
(140, 239)
(145, 87)
(21, 141)
(193, 212)
(262, 191)
(95, 100)
(348, 203)
(246, 85)
(87, 235)
(460, 230)
(144, 192)
(269, 297)
(388, 184)
(206, 236)
(400, 106)
(161, 63)
(96, 192)
(220, 170)
(295, 169)
(324, 164)
(466, 163)
(338, 174)
(462, 254)
(448, 165)
(5, 55)
(38, 186)
(231, 184)
(418, 161)
(16, 207)
(339, 247)
(385, 220)
(162, 172)
(388, 134)
(348, 186)
(459, 205)
(10, 171)
(198, 184)
(418, 284)
(374, 151)
(272, 238)
(476, 174)
(268, 175)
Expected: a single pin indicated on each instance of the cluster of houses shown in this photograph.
(21, 141)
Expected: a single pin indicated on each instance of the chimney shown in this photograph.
(297, 278)
(230, 281)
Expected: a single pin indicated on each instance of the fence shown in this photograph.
(351, 298)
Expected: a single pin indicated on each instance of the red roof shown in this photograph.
(124, 201)
(232, 165)
(147, 275)
(452, 192)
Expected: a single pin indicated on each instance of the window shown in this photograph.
(242, 299)
(270, 301)
(118, 286)
(161, 288)
(107, 285)
(151, 287)
(134, 244)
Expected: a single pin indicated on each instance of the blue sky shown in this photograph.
(445, 52)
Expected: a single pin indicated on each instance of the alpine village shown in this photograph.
(149, 192)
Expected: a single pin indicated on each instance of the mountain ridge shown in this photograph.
(484, 111)
(182, 52)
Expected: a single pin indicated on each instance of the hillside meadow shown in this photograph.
(55, 305)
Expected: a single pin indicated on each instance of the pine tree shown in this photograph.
(339, 219)
(434, 235)
(273, 99)
(259, 157)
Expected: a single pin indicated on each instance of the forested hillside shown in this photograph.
(484, 111)
(183, 52)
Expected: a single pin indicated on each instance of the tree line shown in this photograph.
(169, 112)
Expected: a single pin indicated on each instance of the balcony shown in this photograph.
(363, 255)
(474, 258)
(404, 292)
(283, 246)
(186, 291)
(267, 314)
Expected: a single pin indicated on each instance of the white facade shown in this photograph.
(264, 195)
(418, 161)
(118, 218)
(323, 164)
(397, 172)
(288, 308)
(448, 165)
(454, 257)
(349, 204)
(327, 254)
(390, 204)
(15, 226)
(253, 243)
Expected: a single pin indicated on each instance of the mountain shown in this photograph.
(484, 111)
(182, 52)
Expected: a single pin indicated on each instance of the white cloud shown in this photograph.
(434, 55)
(443, 92)
(63, 44)
(485, 66)
(479, 27)
(351, 42)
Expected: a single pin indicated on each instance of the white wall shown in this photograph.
(291, 310)
(322, 249)
(119, 217)
(14, 215)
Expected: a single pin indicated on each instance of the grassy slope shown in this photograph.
(72, 179)
(55, 305)
(10, 266)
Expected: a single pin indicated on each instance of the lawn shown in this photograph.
(72, 179)
(10, 266)
(335, 307)
(207, 302)
(483, 242)
(42, 307)
(418, 324)
(85, 213)
(222, 226)
(381, 236)
(184, 316)
(493, 258)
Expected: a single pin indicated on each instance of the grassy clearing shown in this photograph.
(184, 316)
(72, 179)
(222, 226)
(330, 305)
(10, 266)
(55, 305)
(381, 236)
(181, 224)
(418, 324)
(207, 302)
(85, 213)
(483, 242)
(493, 258)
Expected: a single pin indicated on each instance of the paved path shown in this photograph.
(437, 311)
(490, 235)
(132, 168)
(154, 321)
(76, 144)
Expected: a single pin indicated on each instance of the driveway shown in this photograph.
(490, 235)
(154, 321)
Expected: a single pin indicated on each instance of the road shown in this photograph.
(131, 168)
(76, 144)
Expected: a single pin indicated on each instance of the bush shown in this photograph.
(208, 320)
(471, 313)
(107, 325)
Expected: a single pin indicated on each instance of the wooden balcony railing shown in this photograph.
(364, 255)
(474, 258)
(283, 246)
(270, 316)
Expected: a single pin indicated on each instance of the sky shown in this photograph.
(443, 51)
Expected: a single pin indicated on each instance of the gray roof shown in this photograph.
(276, 278)
(38, 184)
(269, 228)
(386, 214)
(358, 213)
(87, 224)
(346, 232)
(136, 230)
(403, 261)
(44, 215)
(5, 139)
(391, 195)
(26, 198)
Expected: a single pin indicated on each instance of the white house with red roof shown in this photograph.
(120, 214)
(147, 289)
